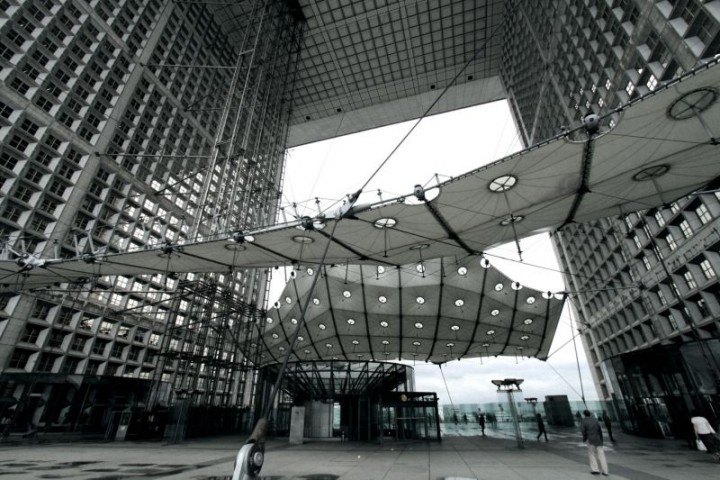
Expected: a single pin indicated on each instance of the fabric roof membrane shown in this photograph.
(658, 149)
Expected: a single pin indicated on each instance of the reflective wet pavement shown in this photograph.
(463, 454)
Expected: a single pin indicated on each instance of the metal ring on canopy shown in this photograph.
(689, 104)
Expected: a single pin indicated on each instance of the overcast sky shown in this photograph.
(447, 145)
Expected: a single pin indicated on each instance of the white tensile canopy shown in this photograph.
(648, 153)
(437, 310)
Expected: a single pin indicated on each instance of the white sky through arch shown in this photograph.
(447, 145)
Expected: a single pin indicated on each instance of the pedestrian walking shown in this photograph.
(608, 425)
(465, 418)
(481, 421)
(541, 427)
(705, 433)
(592, 434)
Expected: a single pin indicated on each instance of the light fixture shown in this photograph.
(484, 262)
(417, 344)
(495, 312)
(455, 328)
(491, 332)
(310, 271)
(316, 301)
(269, 320)
(293, 321)
(547, 295)
(300, 339)
(528, 321)
(385, 342)
(516, 286)
(275, 336)
(385, 222)
(462, 271)
(459, 302)
(351, 321)
(322, 326)
(502, 183)
(240, 237)
(384, 324)
(420, 300)
(524, 337)
(420, 268)
(302, 239)
(276, 305)
(421, 246)
(521, 348)
(530, 300)
(293, 274)
(328, 345)
(355, 342)
(359, 355)
(485, 345)
(418, 325)
(498, 287)
(382, 299)
(450, 345)
(380, 269)
(347, 294)
(288, 300)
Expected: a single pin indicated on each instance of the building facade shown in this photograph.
(647, 300)
(124, 124)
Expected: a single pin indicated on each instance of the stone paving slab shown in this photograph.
(493, 457)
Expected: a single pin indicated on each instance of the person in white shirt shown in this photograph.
(705, 433)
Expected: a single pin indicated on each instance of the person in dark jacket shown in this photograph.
(481, 421)
(541, 427)
(592, 434)
(608, 425)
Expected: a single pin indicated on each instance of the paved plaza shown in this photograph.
(462, 454)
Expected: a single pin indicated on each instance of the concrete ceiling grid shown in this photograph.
(376, 62)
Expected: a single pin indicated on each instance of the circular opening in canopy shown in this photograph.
(511, 219)
(651, 173)
(385, 222)
(302, 239)
(503, 183)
